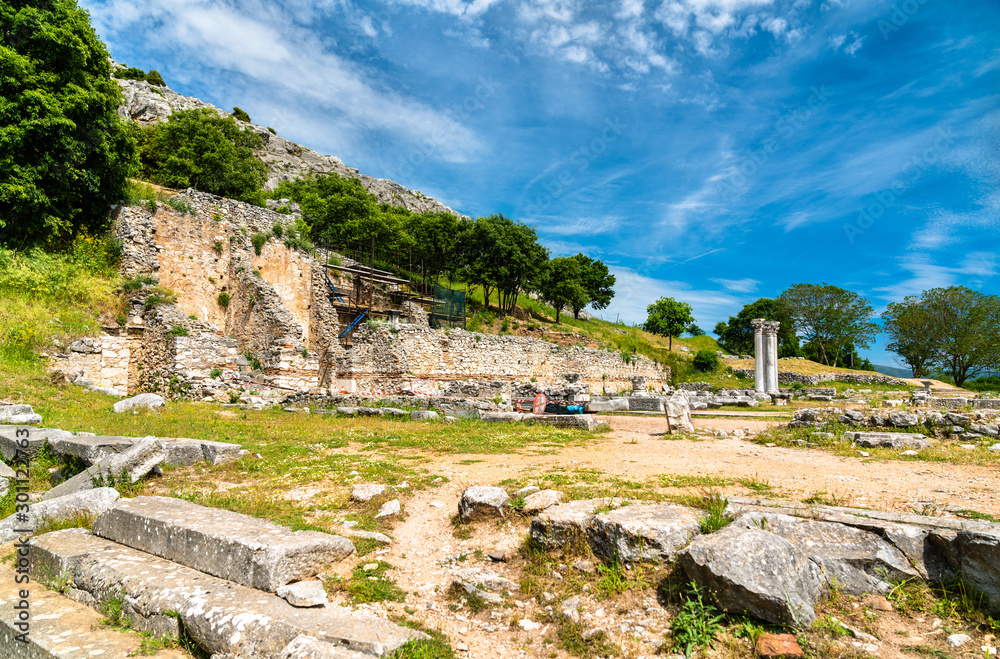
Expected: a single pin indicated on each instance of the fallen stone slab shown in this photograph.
(858, 561)
(32, 445)
(368, 535)
(645, 404)
(895, 440)
(133, 463)
(602, 406)
(501, 417)
(643, 532)
(756, 572)
(222, 617)
(485, 579)
(979, 563)
(7, 472)
(568, 522)
(304, 646)
(59, 627)
(303, 594)
(250, 551)
(140, 402)
(183, 452)
(19, 415)
(394, 412)
(347, 411)
(581, 421)
(424, 415)
(90, 448)
(538, 501)
(482, 502)
(88, 503)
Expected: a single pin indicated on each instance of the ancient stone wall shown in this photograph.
(101, 362)
(789, 377)
(384, 355)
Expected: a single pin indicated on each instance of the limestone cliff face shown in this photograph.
(147, 104)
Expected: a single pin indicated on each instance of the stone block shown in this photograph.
(643, 532)
(87, 503)
(36, 440)
(19, 415)
(90, 448)
(222, 617)
(140, 402)
(182, 452)
(894, 440)
(755, 572)
(482, 502)
(303, 594)
(367, 491)
(250, 551)
(568, 522)
(536, 502)
(133, 463)
(424, 415)
(645, 404)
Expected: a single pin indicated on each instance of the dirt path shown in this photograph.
(637, 449)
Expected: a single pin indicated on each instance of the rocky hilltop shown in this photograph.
(285, 160)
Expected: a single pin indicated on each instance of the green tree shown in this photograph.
(968, 330)
(503, 256)
(694, 330)
(199, 149)
(563, 284)
(706, 360)
(737, 334)
(830, 317)
(65, 156)
(668, 317)
(598, 283)
(914, 333)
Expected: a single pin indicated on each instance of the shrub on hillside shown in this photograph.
(706, 360)
(199, 149)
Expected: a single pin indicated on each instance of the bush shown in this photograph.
(258, 240)
(706, 360)
(181, 205)
(199, 149)
(223, 300)
(178, 330)
(65, 156)
(241, 115)
(154, 78)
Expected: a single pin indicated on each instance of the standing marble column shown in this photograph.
(758, 354)
(771, 362)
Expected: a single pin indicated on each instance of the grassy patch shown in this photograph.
(696, 625)
(715, 513)
(369, 585)
(572, 640)
(436, 647)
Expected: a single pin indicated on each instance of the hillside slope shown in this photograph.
(146, 104)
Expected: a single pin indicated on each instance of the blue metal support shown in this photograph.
(354, 323)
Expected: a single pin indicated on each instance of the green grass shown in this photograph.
(436, 647)
(366, 586)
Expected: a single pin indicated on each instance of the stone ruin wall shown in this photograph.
(387, 358)
(789, 377)
(284, 317)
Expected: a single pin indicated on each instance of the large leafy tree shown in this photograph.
(65, 156)
(914, 333)
(598, 283)
(737, 334)
(503, 255)
(668, 317)
(830, 318)
(199, 149)
(968, 330)
(562, 284)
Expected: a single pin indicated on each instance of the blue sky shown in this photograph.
(715, 151)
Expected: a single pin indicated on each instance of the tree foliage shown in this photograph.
(199, 149)
(913, 334)
(738, 337)
(668, 317)
(830, 318)
(562, 284)
(597, 282)
(966, 330)
(65, 156)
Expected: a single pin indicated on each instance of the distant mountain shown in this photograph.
(894, 371)
(146, 104)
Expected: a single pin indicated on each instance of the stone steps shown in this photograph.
(59, 627)
(223, 617)
(247, 550)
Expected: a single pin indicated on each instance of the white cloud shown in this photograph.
(635, 291)
(974, 269)
(458, 8)
(295, 64)
(739, 285)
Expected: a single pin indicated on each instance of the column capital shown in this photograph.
(770, 327)
(757, 324)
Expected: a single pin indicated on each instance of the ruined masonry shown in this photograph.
(270, 323)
